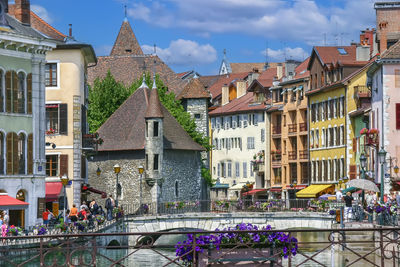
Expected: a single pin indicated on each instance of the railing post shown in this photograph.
(194, 251)
(41, 252)
(381, 247)
(341, 217)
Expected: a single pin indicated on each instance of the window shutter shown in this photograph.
(15, 154)
(63, 165)
(355, 145)
(353, 171)
(41, 206)
(9, 153)
(8, 90)
(29, 92)
(63, 119)
(398, 116)
(30, 153)
(15, 92)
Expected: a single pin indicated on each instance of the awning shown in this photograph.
(94, 190)
(10, 203)
(53, 190)
(238, 186)
(220, 186)
(350, 189)
(254, 191)
(301, 186)
(275, 189)
(283, 91)
(298, 88)
(312, 190)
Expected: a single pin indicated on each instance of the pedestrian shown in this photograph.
(369, 199)
(73, 214)
(1, 218)
(6, 218)
(348, 199)
(4, 228)
(94, 207)
(339, 195)
(83, 206)
(109, 207)
(45, 216)
(67, 218)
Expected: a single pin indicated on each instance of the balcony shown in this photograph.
(276, 131)
(303, 127)
(276, 158)
(292, 155)
(362, 91)
(303, 154)
(258, 166)
(292, 128)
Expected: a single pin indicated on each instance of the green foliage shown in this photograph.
(105, 96)
(206, 174)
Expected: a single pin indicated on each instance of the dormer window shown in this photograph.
(128, 50)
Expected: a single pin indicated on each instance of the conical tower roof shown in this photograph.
(154, 108)
(126, 42)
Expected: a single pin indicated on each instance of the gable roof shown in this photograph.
(216, 88)
(239, 105)
(248, 67)
(301, 70)
(393, 52)
(128, 68)
(125, 129)
(330, 55)
(17, 27)
(194, 89)
(126, 42)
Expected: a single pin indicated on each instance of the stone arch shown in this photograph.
(113, 243)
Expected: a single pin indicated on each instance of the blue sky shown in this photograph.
(192, 34)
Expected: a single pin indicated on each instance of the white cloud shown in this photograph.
(300, 20)
(184, 52)
(42, 13)
(279, 55)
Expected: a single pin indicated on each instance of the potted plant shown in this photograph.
(41, 229)
(14, 230)
(364, 131)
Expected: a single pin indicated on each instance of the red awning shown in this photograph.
(254, 191)
(53, 190)
(103, 194)
(10, 203)
(275, 189)
(297, 187)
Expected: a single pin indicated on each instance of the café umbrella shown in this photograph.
(363, 184)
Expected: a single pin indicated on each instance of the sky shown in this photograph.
(192, 34)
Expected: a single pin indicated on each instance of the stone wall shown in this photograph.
(184, 167)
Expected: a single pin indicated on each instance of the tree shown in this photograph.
(105, 97)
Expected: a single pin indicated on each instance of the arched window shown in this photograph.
(2, 91)
(21, 92)
(2, 151)
(29, 92)
(11, 92)
(21, 153)
(12, 153)
(30, 154)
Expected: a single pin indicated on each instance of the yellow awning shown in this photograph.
(313, 190)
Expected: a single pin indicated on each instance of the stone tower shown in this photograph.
(154, 146)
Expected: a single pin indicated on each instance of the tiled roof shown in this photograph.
(128, 68)
(154, 107)
(392, 52)
(238, 105)
(126, 43)
(209, 80)
(19, 28)
(248, 67)
(125, 129)
(194, 89)
(267, 77)
(216, 88)
(301, 70)
(331, 55)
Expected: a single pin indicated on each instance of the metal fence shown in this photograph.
(318, 247)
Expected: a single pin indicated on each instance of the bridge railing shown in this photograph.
(229, 206)
(310, 247)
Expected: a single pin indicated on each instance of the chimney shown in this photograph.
(362, 52)
(70, 30)
(241, 88)
(383, 36)
(225, 94)
(23, 11)
(279, 70)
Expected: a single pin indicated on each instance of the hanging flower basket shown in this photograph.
(364, 131)
(50, 131)
(373, 136)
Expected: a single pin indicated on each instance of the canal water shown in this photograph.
(146, 257)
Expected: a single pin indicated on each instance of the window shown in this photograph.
(251, 169)
(176, 189)
(229, 169)
(250, 142)
(52, 165)
(29, 92)
(317, 137)
(312, 138)
(21, 153)
(244, 169)
(237, 169)
(155, 128)
(214, 170)
(51, 74)
(323, 138)
(219, 169)
(155, 162)
(2, 146)
(342, 135)
(11, 92)
(223, 167)
(57, 118)
(21, 93)
(262, 135)
(12, 153)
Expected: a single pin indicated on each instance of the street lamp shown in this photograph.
(117, 169)
(141, 170)
(382, 160)
(396, 169)
(98, 172)
(363, 163)
(64, 180)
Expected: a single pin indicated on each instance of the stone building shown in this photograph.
(22, 114)
(143, 132)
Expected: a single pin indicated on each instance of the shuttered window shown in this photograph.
(30, 154)
(63, 165)
(63, 119)
(21, 93)
(51, 74)
(57, 118)
(21, 153)
(52, 165)
(9, 78)
(29, 93)
(12, 153)
(398, 116)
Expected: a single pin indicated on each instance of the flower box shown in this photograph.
(245, 257)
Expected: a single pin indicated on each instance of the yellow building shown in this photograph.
(335, 75)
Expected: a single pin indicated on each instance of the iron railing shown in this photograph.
(315, 247)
